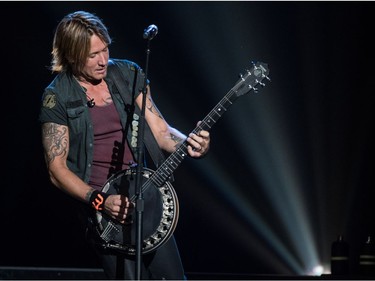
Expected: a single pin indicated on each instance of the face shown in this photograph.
(95, 68)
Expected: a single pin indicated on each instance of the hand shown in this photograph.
(199, 144)
(119, 208)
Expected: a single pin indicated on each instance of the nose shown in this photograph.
(103, 59)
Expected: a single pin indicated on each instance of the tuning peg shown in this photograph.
(260, 82)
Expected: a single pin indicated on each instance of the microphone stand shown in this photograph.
(138, 181)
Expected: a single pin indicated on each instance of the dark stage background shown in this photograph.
(290, 168)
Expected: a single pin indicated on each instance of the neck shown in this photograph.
(86, 82)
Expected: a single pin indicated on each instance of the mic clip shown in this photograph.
(91, 103)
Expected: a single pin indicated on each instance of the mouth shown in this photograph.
(101, 70)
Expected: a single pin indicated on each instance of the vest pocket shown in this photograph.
(75, 119)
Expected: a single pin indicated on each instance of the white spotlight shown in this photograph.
(317, 270)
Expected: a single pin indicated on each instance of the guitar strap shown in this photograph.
(128, 97)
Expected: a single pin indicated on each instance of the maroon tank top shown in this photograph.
(111, 150)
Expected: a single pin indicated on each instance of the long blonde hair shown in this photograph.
(71, 42)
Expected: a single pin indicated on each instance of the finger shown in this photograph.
(195, 140)
(204, 134)
(198, 148)
(123, 218)
(124, 201)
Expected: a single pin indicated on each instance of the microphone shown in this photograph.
(150, 32)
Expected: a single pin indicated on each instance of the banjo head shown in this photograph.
(160, 213)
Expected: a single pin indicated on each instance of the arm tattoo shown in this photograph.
(55, 141)
(176, 139)
(88, 195)
(152, 107)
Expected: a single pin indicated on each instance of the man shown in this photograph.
(89, 133)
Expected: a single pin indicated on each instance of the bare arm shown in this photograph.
(168, 137)
(55, 140)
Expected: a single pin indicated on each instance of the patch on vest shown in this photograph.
(49, 101)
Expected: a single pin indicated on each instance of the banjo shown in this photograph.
(161, 206)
